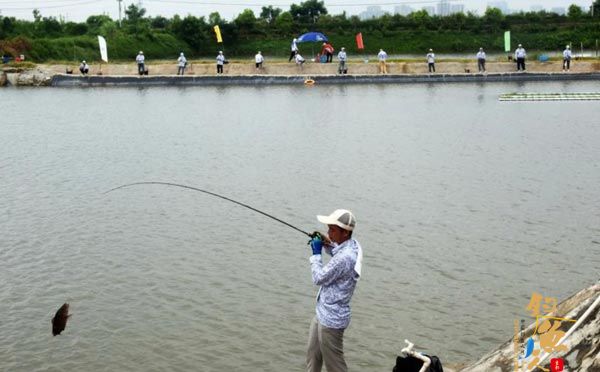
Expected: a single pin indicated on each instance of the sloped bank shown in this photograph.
(25, 77)
(61, 80)
(583, 345)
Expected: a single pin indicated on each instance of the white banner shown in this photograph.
(103, 50)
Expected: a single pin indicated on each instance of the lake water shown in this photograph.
(465, 206)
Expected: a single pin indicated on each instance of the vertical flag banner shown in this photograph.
(218, 33)
(103, 50)
(359, 41)
(507, 41)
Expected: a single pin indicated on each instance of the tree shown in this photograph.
(134, 14)
(493, 19)
(51, 26)
(308, 11)
(6, 26)
(269, 14)
(135, 20)
(421, 18)
(192, 30)
(246, 21)
(37, 15)
(95, 22)
(574, 12)
(595, 9)
(214, 19)
(159, 22)
(284, 23)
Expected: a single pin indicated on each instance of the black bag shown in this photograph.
(412, 364)
(225, 62)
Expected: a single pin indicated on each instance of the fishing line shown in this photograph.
(216, 195)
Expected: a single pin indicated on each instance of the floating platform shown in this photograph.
(254, 80)
(550, 97)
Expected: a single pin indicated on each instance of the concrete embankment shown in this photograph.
(162, 73)
(582, 347)
(62, 80)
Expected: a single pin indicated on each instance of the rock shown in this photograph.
(11, 78)
(2, 79)
(583, 345)
(34, 77)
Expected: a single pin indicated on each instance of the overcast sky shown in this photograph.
(79, 10)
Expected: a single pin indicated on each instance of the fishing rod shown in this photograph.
(218, 196)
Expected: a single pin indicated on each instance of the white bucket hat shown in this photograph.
(340, 217)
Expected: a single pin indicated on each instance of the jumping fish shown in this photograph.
(59, 322)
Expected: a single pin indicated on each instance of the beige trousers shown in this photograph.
(325, 345)
(382, 67)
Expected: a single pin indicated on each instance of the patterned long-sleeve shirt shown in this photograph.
(338, 280)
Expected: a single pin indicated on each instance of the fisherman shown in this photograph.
(338, 280)
(181, 63)
(481, 60)
(382, 56)
(220, 62)
(520, 55)
(431, 60)
(140, 60)
(259, 59)
(84, 68)
(342, 61)
(299, 60)
(567, 58)
(294, 49)
(327, 50)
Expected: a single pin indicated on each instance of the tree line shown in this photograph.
(51, 38)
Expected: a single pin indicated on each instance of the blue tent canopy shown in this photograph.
(312, 36)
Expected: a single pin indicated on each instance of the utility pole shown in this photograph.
(119, 1)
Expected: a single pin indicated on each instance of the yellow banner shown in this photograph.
(218, 33)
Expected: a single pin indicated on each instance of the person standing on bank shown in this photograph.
(382, 56)
(327, 51)
(294, 49)
(481, 60)
(181, 63)
(259, 59)
(338, 279)
(520, 55)
(342, 69)
(141, 60)
(431, 60)
(220, 62)
(567, 58)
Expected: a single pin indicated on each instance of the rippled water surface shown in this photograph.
(465, 206)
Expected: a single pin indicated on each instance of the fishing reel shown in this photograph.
(315, 235)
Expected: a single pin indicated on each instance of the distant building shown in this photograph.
(429, 9)
(502, 5)
(559, 10)
(443, 8)
(371, 12)
(403, 10)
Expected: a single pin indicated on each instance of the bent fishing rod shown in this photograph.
(218, 196)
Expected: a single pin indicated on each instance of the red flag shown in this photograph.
(359, 41)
